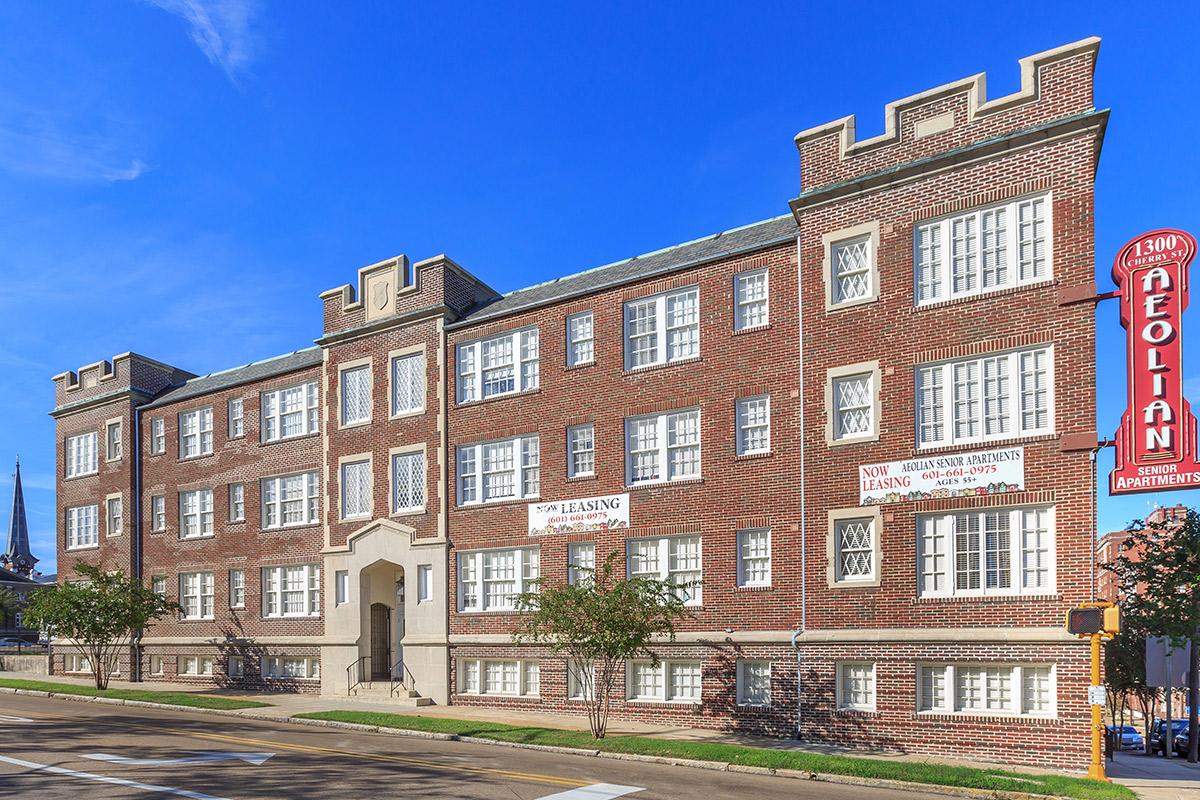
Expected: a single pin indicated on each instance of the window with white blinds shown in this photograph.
(289, 500)
(291, 591)
(662, 447)
(83, 527)
(491, 580)
(196, 433)
(662, 329)
(508, 469)
(753, 425)
(196, 595)
(408, 482)
(580, 339)
(81, 456)
(983, 250)
(750, 297)
(987, 689)
(356, 489)
(195, 514)
(517, 678)
(998, 396)
(667, 681)
(674, 559)
(356, 395)
(754, 557)
(581, 450)
(289, 412)
(408, 384)
(498, 365)
(992, 551)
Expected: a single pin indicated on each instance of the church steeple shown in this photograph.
(17, 556)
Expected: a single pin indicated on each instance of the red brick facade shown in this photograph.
(876, 658)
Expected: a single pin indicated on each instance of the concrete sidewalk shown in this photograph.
(1154, 777)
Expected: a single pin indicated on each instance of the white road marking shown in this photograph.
(10, 718)
(201, 757)
(91, 776)
(597, 791)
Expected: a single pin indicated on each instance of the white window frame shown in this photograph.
(665, 669)
(158, 513)
(158, 436)
(581, 344)
(158, 585)
(935, 250)
(580, 556)
(425, 583)
(832, 243)
(742, 408)
(114, 448)
(237, 502)
(524, 365)
(196, 666)
(408, 505)
(414, 384)
(201, 438)
(237, 588)
(82, 527)
(581, 680)
(203, 515)
(235, 667)
(937, 544)
(939, 379)
(743, 695)
(274, 667)
(581, 450)
(156, 665)
(525, 471)
(1018, 705)
(665, 569)
(662, 447)
(658, 305)
(204, 596)
(347, 415)
(473, 582)
(236, 418)
(473, 676)
(81, 454)
(742, 305)
(274, 591)
(272, 502)
(743, 538)
(363, 504)
(114, 521)
(341, 587)
(845, 701)
(271, 421)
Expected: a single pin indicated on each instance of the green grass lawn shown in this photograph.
(148, 696)
(938, 774)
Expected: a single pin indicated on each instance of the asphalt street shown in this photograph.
(61, 748)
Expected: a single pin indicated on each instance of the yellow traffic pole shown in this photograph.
(1096, 770)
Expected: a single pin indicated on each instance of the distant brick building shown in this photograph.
(1109, 549)
(859, 434)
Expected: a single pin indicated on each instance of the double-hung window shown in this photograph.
(158, 585)
(853, 406)
(237, 418)
(581, 561)
(408, 482)
(356, 395)
(987, 689)
(754, 557)
(291, 591)
(674, 559)
(408, 384)
(290, 500)
(83, 528)
(750, 291)
(983, 250)
(668, 681)
(237, 502)
(662, 447)
(856, 686)
(663, 328)
(115, 513)
(753, 682)
(753, 425)
(855, 549)
(490, 580)
(196, 433)
(196, 594)
(580, 339)
(81, 457)
(290, 412)
(508, 469)
(158, 512)
(581, 451)
(498, 365)
(158, 436)
(356, 489)
(112, 441)
(983, 399)
(292, 667)
(518, 678)
(990, 551)
(237, 588)
(852, 262)
(195, 514)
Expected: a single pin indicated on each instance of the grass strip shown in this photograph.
(911, 772)
(144, 695)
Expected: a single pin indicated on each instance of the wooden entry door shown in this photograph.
(381, 640)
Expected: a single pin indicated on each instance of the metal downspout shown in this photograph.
(803, 505)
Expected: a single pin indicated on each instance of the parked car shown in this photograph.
(1130, 739)
(1157, 730)
(13, 642)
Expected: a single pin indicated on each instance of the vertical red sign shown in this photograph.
(1156, 443)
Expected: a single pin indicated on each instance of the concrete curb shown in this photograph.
(719, 766)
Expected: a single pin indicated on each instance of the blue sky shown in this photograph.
(182, 178)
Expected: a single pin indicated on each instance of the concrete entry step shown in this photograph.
(380, 694)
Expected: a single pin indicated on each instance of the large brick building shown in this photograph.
(859, 433)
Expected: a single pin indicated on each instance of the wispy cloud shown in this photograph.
(220, 28)
(45, 151)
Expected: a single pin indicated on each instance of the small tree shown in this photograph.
(600, 621)
(98, 614)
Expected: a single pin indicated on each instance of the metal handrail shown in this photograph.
(351, 681)
(396, 681)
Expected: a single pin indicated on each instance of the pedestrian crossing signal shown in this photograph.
(1093, 618)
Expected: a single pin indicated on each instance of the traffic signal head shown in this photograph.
(1089, 619)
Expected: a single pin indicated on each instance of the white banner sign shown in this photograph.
(583, 514)
(949, 475)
